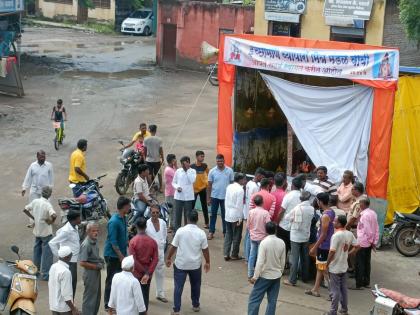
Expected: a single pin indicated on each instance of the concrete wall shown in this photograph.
(58, 10)
(394, 36)
(197, 22)
(313, 22)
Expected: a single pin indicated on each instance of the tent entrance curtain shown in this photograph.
(332, 123)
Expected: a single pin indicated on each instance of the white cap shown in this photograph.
(127, 263)
(64, 251)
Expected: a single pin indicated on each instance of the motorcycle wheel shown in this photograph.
(19, 312)
(404, 241)
(122, 183)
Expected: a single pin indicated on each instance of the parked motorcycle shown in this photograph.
(213, 74)
(91, 204)
(388, 302)
(18, 286)
(165, 208)
(130, 160)
(407, 235)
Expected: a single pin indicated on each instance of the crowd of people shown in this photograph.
(297, 226)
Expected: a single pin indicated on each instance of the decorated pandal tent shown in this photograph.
(343, 125)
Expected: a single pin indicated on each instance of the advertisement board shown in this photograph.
(7, 6)
(355, 9)
(286, 6)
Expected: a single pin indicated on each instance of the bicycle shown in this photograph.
(59, 133)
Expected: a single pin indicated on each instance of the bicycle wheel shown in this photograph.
(60, 136)
(56, 140)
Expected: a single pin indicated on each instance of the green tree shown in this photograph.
(410, 18)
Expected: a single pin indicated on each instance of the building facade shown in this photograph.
(373, 22)
(69, 9)
(184, 25)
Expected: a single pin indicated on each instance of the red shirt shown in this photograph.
(279, 194)
(145, 252)
(269, 201)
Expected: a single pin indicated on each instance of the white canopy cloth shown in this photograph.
(332, 123)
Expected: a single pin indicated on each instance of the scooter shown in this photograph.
(407, 234)
(388, 302)
(18, 286)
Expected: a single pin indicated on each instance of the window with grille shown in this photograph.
(102, 4)
(61, 1)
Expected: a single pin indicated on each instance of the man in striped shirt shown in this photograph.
(323, 181)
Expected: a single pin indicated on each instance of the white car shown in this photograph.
(138, 22)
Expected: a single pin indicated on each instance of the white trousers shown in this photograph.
(160, 275)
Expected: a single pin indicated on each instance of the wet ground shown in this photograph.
(109, 85)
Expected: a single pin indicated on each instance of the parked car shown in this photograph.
(138, 22)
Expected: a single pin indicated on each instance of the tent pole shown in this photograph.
(289, 166)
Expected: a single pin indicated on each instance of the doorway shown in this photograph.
(169, 45)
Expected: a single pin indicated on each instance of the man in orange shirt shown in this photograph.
(200, 184)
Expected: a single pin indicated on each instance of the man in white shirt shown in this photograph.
(234, 204)
(141, 192)
(42, 213)
(183, 182)
(126, 297)
(39, 174)
(68, 235)
(251, 188)
(189, 243)
(268, 271)
(300, 218)
(59, 285)
(291, 200)
(337, 264)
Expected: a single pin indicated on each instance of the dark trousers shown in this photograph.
(232, 239)
(61, 313)
(113, 266)
(43, 257)
(92, 293)
(299, 257)
(181, 207)
(203, 200)
(195, 281)
(73, 270)
(262, 286)
(363, 267)
(145, 290)
(215, 204)
(338, 292)
(285, 236)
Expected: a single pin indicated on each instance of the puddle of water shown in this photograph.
(127, 74)
(67, 56)
(80, 46)
(118, 48)
(118, 43)
(31, 45)
(46, 51)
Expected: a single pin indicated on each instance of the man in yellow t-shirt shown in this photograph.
(142, 132)
(77, 172)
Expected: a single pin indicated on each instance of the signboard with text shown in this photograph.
(370, 64)
(285, 6)
(11, 6)
(355, 9)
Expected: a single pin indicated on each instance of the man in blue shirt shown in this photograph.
(220, 177)
(116, 244)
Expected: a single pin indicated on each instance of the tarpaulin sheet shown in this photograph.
(331, 123)
(404, 165)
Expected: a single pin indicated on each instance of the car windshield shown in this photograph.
(140, 14)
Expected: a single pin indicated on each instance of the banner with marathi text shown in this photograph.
(369, 64)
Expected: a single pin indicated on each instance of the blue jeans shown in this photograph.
(139, 209)
(247, 244)
(299, 256)
(215, 204)
(43, 257)
(252, 259)
(261, 286)
(195, 281)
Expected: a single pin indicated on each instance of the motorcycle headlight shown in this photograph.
(32, 270)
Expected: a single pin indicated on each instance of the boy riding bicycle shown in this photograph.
(59, 114)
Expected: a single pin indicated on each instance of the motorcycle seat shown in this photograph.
(411, 216)
(6, 276)
(403, 300)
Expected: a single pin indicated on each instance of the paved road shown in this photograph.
(109, 86)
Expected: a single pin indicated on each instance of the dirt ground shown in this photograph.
(109, 85)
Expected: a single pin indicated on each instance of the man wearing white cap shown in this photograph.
(60, 285)
(126, 297)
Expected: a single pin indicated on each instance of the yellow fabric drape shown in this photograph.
(404, 164)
